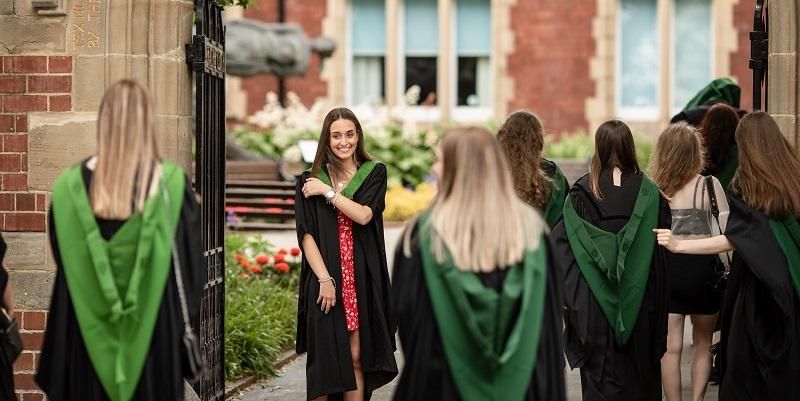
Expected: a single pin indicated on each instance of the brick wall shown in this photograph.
(28, 83)
(550, 64)
(740, 70)
(309, 15)
(32, 331)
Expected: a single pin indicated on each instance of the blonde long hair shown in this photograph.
(678, 158)
(126, 151)
(476, 215)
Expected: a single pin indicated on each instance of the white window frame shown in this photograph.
(423, 114)
(673, 109)
(349, 55)
(634, 114)
(468, 114)
(652, 114)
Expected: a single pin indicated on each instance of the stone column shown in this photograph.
(56, 59)
(784, 79)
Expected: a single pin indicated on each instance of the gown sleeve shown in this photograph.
(305, 215)
(372, 194)
(773, 290)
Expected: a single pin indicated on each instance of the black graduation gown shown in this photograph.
(610, 372)
(6, 366)
(426, 375)
(65, 371)
(760, 315)
(329, 368)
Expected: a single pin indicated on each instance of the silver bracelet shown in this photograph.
(325, 280)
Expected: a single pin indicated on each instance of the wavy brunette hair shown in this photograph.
(522, 140)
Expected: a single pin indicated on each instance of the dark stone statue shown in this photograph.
(253, 47)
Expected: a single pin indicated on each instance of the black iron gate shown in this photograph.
(759, 53)
(206, 57)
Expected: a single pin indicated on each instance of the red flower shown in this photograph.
(262, 259)
(245, 264)
(281, 267)
(295, 251)
(255, 269)
(283, 251)
(280, 258)
(244, 275)
(238, 256)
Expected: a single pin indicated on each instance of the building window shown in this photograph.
(647, 86)
(368, 48)
(691, 50)
(638, 66)
(473, 47)
(421, 44)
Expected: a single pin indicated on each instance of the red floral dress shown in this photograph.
(349, 300)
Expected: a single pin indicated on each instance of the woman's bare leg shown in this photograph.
(671, 361)
(702, 332)
(355, 352)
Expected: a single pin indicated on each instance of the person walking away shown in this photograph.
(115, 327)
(476, 295)
(676, 165)
(614, 277)
(761, 310)
(538, 181)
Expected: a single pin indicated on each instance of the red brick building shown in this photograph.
(573, 62)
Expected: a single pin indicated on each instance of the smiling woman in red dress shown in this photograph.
(343, 319)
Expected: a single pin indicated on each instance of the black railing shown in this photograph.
(206, 58)
(759, 53)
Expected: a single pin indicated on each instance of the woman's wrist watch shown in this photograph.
(329, 195)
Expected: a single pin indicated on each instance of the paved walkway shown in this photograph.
(290, 385)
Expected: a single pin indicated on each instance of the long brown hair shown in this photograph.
(475, 185)
(678, 157)
(718, 130)
(126, 151)
(767, 177)
(522, 140)
(325, 156)
(613, 147)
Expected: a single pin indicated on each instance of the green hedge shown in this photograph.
(260, 308)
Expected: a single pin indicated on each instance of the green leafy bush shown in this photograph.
(581, 146)
(260, 305)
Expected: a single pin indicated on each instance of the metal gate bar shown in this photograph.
(206, 58)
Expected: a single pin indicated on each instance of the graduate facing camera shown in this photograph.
(343, 319)
(474, 287)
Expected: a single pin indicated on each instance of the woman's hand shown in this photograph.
(667, 240)
(327, 296)
(314, 186)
